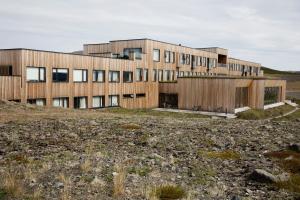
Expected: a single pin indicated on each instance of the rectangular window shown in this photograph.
(167, 75)
(156, 55)
(128, 96)
(113, 100)
(60, 75)
(139, 74)
(80, 102)
(160, 75)
(140, 95)
(36, 74)
(145, 75)
(62, 102)
(271, 95)
(188, 59)
(114, 76)
(172, 57)
(167, 56)
(80, 75)
(136, 51)
(6, 70)
(99, 76)
(38, 102)
(182, 58)
(181, 74)
(127, 77)
(154, 75)
(98, 102)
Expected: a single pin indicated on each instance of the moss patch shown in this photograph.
(169, 192)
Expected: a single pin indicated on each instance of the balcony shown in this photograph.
(222, 65)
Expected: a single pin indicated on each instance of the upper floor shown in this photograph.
(163, 55)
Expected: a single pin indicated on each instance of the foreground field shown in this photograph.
(110, 154)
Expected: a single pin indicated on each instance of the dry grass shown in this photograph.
(288, 160)
(12, 186)
(119, 177)
(86, 166)
(66, 192)
(37, 195)
(293, 184)
(131, 126)
(224, 155)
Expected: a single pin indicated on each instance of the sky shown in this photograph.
(264, 31)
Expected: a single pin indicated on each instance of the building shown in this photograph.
(140, 73)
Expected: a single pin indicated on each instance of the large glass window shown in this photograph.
(182, 58)
(61, 102)
(113, 100)
(156, 55)
(127, 77)
(6, 70)
(160, 75)
(80, 75)
(136, 51)
(114, 76)
(271, 95)
(80, 102)
(38, 102)
(139, 74)
(36, 74)
(99, 76)
(98, 102)
(172, 57)
(60, 75)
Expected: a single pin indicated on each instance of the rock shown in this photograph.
(283, 177)
(59, 185)
(294, 147)
(263, 176)
(236, 198)
(97, 182)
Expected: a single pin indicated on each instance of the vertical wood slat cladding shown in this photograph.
(219, 94)
(10, 87)
(50, 90)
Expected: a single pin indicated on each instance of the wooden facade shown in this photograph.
(197, 75)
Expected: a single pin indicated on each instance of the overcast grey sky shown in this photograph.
(266, 31)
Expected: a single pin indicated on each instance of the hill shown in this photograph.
(269, 71)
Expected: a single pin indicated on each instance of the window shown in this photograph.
(136, 51)
(139, 74)
(99, 76)
(114, 76)
(172, 74)
(167, 56)
(127, 77)
(36, 74)
(182, 58)
(160, 75)
(172, 57)
(271, 95)
(113, 100)
(140, 95)
(156, 55)
(80, 102)
(128, 96)
(38, 102)
(187, 59)
(204, 61)
(6, 70)
(60, 75)
(61, 102)
(80, 75)
(167, 75)
(181, 73)
(145, 75)
(154, 75)
(98, 102)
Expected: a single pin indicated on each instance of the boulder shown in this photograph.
(262, 176)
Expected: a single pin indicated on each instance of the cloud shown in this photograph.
(264, 31)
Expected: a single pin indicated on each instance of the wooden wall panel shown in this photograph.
(10, 87)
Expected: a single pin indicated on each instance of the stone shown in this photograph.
(294, 147)
(263, 176)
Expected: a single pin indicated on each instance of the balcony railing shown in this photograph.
(222, 65)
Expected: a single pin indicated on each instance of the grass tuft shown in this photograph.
(12, 186)
(169, 192)
(293, 184)
(224, 155)
(119, 177)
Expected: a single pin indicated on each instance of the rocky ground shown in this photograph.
(67, 154)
